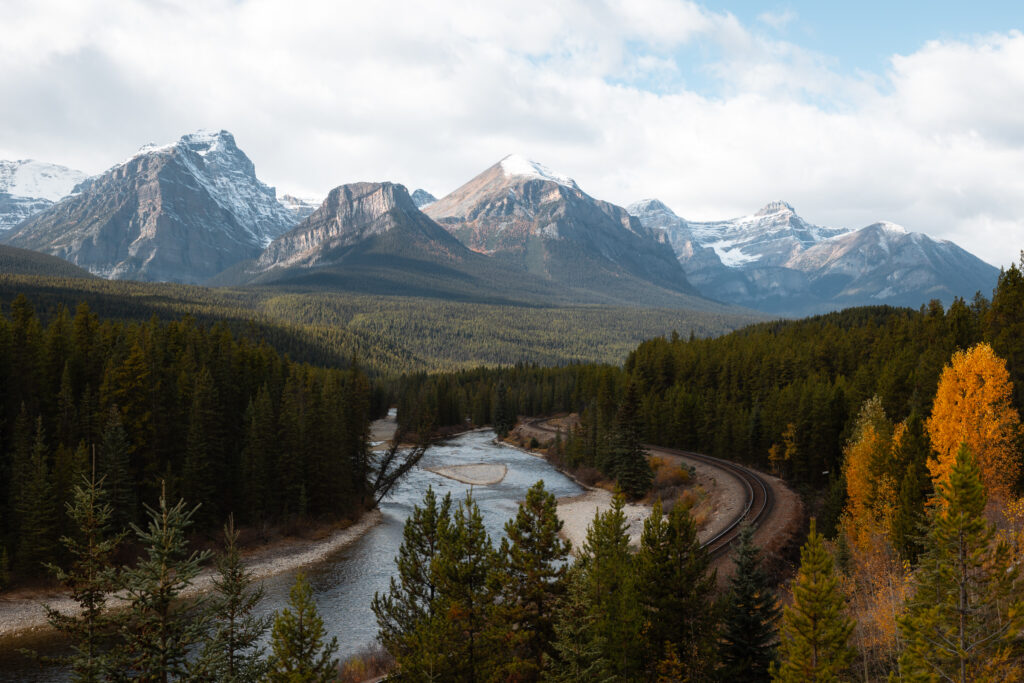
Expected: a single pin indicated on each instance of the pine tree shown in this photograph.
(579, 650)
(115, 468)
(964, 621)
(405, 613)
(464, 575)
(299, 651)
(531, 571)
(814, 639)
(37, 511)
(749, 623)
(160, 626)
(610, 590)
(674, 590)
(232, 652)
(628, 457)
(90, 579)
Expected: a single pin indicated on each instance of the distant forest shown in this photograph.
(226, 421)
(783, 395)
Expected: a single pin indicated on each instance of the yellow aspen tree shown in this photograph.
(973, 408)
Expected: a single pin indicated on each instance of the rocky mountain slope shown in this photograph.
(421, 198)
(28, 187)
(541, 222)
(777, 262)
(181, 212)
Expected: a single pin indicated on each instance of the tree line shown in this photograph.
(225, 420)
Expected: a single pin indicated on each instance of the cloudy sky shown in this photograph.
(913, 114)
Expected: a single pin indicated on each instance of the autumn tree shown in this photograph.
(867, 469)
(814, 638)
(973, 408)
(964, 621)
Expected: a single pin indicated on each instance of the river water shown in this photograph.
(344, 584)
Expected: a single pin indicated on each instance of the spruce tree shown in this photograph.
(298, 648)
(628, 457)
(610, 590)
(749, 623)
(37, 513)
(531, 574)
(232, 652)
(160, 626)
(90, 579)
(814, 639)
(964, 621)
(405, 613)
(675, 589)
(580, 651)
(115, 468)
(464, 575)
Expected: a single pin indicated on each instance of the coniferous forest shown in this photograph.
(900, 428)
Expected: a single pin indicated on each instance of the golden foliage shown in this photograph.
(870, 488)
(973, 407)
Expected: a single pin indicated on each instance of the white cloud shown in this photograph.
(430, 93)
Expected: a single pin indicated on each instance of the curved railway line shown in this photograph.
(759, 497)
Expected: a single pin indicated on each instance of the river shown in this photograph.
(344, 584)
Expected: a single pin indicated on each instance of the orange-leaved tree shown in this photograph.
(870, 486)
(973, 407)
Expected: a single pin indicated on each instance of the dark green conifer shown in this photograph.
(628, 457)
(37, 511)
(675, 590)
(160, 627)
(232, 653)
(749, 623)
(531, 575)
(91, 580)
(966, 615)
(580, 651)
(115, 468)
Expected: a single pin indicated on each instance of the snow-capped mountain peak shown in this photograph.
(38, 179)
(516, 165)
(778, 206)
(890, 227)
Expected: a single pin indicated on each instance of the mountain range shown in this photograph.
(195, 211)
(777, 262)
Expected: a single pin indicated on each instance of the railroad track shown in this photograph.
(757, 507)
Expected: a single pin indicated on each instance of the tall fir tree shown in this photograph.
(232, 652)
(115, 468)
(750, 619)
(160, 626)
(966, 616)
(91, 581)
(37, 513)
(675, 589)
(299, 649)
(405, 614)
(814, 639)
(464, 574)
(610, 590)
(580, 652)
(531, 574)
(628, 457)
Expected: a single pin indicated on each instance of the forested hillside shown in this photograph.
(222, 419)
(389, 335)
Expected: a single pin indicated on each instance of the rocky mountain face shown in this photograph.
(422, 198)
(181, 212)
(539, 221)
(775, 261)
(28, 187)
(363, 216)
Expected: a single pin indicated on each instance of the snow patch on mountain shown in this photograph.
(38, 179)
(516, 165)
